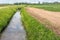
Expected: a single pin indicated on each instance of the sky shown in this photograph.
(28, 1)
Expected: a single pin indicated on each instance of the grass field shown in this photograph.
(5, 16)
(50, 7)
(36, 30)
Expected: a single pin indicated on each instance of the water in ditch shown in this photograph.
(14, 30)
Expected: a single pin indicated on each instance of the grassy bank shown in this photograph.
(49, 7)
(5, 16)
(35, 30)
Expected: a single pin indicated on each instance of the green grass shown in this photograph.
(5, 16)
(49, 7)
(35, 30)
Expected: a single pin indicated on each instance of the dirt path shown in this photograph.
(15, 30)
(50, 19)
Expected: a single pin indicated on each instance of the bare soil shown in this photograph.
(48, 18)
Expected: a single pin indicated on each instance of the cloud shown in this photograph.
(13, 1)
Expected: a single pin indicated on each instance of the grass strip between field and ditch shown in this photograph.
(5, 16)
(35, 30)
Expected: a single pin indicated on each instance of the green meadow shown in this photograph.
(49, 7)
(5, 16)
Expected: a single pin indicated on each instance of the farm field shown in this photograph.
(41, 22)
(49, 7)
(47, 17)
(34, 29)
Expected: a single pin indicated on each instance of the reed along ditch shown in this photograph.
(15, 29)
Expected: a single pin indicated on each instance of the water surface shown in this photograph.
(15, 30)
